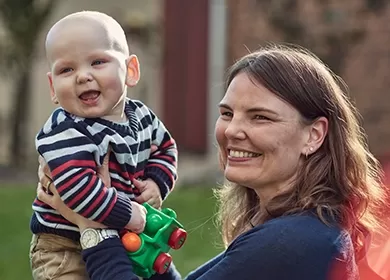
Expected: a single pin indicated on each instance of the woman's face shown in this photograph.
(261, 137)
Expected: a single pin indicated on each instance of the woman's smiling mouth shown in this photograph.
(242, 154)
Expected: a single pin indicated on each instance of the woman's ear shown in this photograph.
(133, 71)
(317, 133)
(53, 95)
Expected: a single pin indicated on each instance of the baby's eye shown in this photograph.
(98, 62)
(65, 70)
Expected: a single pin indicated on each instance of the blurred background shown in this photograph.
(184, 49)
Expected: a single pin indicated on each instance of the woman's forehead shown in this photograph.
(244, 93)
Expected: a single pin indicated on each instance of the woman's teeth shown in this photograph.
(240, 154)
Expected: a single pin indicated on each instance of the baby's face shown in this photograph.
(87, 74)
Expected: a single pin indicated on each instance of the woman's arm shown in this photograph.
(108, 260)
(203, 269)
(300, 248)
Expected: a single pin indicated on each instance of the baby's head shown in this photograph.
(90, 65)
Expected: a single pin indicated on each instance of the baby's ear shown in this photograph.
(53, 95)
(133, 71)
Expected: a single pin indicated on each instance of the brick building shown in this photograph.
(352, 36)
(185, 46)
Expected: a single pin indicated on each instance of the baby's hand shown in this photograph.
(138, 218)
(150, 193)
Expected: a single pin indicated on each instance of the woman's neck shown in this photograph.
(267, 193)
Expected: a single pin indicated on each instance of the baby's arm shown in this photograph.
(162, 164)
(69, 152)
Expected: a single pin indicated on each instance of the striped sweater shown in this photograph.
(74, 147)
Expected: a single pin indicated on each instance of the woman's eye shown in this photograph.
(98, 62)
(260, 117)
(227, 114)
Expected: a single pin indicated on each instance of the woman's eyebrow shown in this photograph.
(250, 110)
(224, 105)
(261, 109)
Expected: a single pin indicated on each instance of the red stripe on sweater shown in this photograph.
(70, 183)
(74, 164)
(87, 189)
(54, 219)
(39, 203)
(97, 201)
(115, 166)
(139, 174)
(166, 144)
(167, 158)
(120, 186)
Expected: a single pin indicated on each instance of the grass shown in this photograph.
(194, 206)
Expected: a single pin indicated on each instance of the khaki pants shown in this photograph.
(56, 257)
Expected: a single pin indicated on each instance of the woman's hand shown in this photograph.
(45, 186)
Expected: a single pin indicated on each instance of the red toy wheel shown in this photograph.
(177, 238)
(162, 263)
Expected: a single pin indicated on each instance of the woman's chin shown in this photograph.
(236, 177)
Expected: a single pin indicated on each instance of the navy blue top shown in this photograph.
(291, 247)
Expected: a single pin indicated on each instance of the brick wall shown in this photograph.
(352, 37)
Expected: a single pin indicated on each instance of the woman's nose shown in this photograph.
(235, 130)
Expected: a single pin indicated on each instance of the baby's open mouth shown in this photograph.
(89, 95)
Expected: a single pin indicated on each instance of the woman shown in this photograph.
(304, 188)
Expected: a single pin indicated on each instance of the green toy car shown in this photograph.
(148, 251)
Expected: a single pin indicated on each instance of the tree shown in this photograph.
(22, 21)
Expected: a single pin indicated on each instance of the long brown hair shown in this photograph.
(341, 180)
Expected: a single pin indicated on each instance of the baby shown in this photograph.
(90, 70)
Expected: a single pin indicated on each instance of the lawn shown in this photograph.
(195, 208)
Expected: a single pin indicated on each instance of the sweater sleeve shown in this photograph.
(108, 260)
(71, 155)
(162, 164)
(277, 252)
